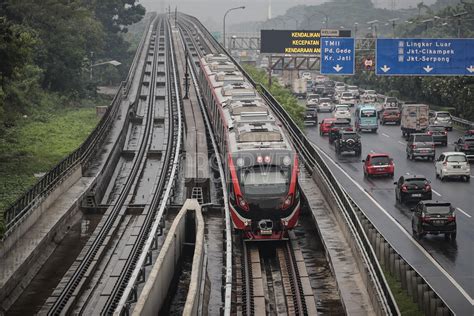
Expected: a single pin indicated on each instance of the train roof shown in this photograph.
(251, 126)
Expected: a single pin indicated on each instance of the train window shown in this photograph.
(264, 180)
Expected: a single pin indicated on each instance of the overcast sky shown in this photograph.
(210, 12)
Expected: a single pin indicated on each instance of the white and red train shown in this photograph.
(261, 165)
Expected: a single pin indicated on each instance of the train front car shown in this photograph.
(263, 194)
(263, 180)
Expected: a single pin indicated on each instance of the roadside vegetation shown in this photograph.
(281, 94)
(47, 93)
(404, 302)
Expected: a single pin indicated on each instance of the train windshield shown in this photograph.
(264, 180)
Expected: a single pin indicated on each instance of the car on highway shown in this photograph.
(378, 164)
(342, 111)
(347, 141)
(338, 125)
(325, 105)
(312, 102)
(452, 165)
(420, 145)
(325, 125)
(339, 86)
(465, 144)
(410, 188)
(365, 118)
(354, 90)
(440, 136)
(390, 115)
(433, 217)
(310, 116)
(442, 118)
(369, 96)
(347, 98)
(390, 102)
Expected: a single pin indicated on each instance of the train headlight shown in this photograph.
(287, 161)
(267, 159)
(259, 159)
(288, 201)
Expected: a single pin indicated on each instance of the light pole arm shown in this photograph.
(223, 24)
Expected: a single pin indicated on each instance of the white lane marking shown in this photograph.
(385, 135)
(435, 192)
(404, 231)
(403, 143)
(460, 210)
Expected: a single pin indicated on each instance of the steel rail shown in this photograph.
(228, 222)
(143, 234)
(23, 206)
(312, 160)
(128, 292)
(77, 278)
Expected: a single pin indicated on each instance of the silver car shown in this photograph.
(442, 118)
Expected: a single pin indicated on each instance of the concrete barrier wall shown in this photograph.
(411, 282)
(155, 291)
(36, 211)
(194, 295)
(344, 225)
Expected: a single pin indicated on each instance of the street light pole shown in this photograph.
(225, 15)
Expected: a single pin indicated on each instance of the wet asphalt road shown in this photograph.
(377, 197)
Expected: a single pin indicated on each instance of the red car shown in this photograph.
(325, 125)
(378, 164)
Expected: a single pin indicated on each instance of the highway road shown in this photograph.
(441, 261)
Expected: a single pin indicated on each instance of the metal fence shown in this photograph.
(14, 214)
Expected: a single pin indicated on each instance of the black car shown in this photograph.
(411, 188)
(465, 144)
(348, 141)
(433, 217)
(338, 125)
(311, 117)
(440, 136)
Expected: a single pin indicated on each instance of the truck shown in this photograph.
(415, 118)
(299, 88)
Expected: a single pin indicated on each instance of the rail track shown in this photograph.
(96, 282)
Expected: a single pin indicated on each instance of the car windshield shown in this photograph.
(351, 88)
(469, 140)
(370, 92)
(347, 95)
(264, 180)
(443, 114)
(342, 108)
(391, 100)
(438, 208)
(326, 100)
(310, 112)
(456, 158)
(380, 160)
(368, 113)
(423, 138)
(390, 112)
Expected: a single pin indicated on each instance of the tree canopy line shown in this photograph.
(47, 47)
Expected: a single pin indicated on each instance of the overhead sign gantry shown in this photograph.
(425, 57)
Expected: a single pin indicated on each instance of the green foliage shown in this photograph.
(404, 302)
(38, 142)
(281, 94)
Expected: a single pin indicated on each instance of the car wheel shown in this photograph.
(453, 235)
(391, 175)
(446, 236)
(321, 133)
(441, 176)
(420, 234)
(412, 157)
(467, 178)
(401, 199)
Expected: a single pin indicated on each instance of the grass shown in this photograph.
(404, 302)
(37, 143)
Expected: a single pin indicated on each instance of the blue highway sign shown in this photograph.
(337, 56)
(424, 57)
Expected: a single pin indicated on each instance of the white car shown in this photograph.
(312, 103)
(369, 96)
(347, 98)
(452, 164)
(354, 90)
(325, 105)
(342, 111)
